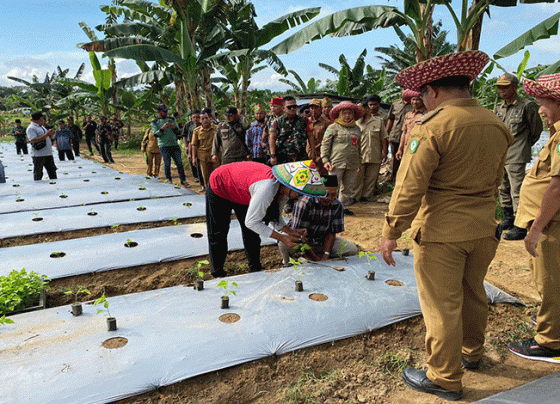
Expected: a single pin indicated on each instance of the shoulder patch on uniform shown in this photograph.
(558, 148)
(413, 145)
(429, 116)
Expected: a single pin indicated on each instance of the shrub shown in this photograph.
(20, 289)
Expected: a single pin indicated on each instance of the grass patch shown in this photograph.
(520, 330)
(393, 364)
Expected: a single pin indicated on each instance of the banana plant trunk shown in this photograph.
(207, 87)
(473, 37)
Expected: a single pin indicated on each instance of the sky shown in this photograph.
(38, 36)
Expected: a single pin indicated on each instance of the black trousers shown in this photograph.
(396, 163)
(91, 140)
(218, 218)
(48, 163)
(76, 146)
(21, 146)
(106, 150)
(65, 153)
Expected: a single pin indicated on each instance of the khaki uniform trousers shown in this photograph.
(450, 278)
(367, 179)
(546, 270)
(348, 180)
(206, 165)
(154, 163)
(511, 185)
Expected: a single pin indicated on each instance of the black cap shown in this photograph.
(330, 181)
(231, 110)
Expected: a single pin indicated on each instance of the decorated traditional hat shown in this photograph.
(467, 63)
(547, 86)
(358, 112)
(300, 176)
(409, 94)
(276, 101)
(316, 102)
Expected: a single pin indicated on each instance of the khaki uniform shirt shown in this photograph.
(203, 139)
(317, 129)
(522, 119)
(451, 168)
(410, 120)
(341, 146)
(150, 142)
(373, 132)
(536, 182)
(397, 112)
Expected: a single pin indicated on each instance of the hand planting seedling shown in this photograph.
(228, 288)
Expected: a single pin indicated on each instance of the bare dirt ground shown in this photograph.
(363, 369)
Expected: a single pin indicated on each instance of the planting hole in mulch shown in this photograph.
(93, 172)
(92, 213)
(15, 185)
(37, 219)
(130, 244)
(20, 200)
(141, 208)
(114, 343)
(393, 282)
(86, 180)
(287, 299)
(63, 196)
(230, 318)
(58, 254)
(65, 173)
(196, 235)
(188, 204)
(104, 192)
(117, 178)
(318, 297)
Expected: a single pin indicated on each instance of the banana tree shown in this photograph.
(245, 39)
(301, 87)
(543, 30)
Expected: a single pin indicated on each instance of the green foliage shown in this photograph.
(392, 364)
(80, 290)
(370, 257)
(228, 287)
(20, 289)
(196, 269)
(103, 300)
(5, 320)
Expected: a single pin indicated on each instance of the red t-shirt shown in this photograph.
(232, 181)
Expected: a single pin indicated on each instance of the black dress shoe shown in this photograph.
(417, 380)
(516, 234)
(470, 364)
(348, 212)
(219, 274)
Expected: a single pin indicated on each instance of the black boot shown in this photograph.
(507, 223)
(517, 233)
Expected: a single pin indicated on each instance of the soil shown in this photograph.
(362, 369)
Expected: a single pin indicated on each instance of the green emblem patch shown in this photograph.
(558, 148)
(413, 146)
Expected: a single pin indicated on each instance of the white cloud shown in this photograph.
(549, 45)
(270, 81)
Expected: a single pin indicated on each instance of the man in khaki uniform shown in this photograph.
(317, 125)
(395, 121)
(522, 118)
(373, 145)
(539, 212)
(202, 142)
(447, 184)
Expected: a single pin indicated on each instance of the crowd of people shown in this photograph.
(451, 158)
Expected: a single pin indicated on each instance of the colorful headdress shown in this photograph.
(409, 95)
(467, 63)
(300, 176)
(277, 101)
(547, 86)
(358, 112)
